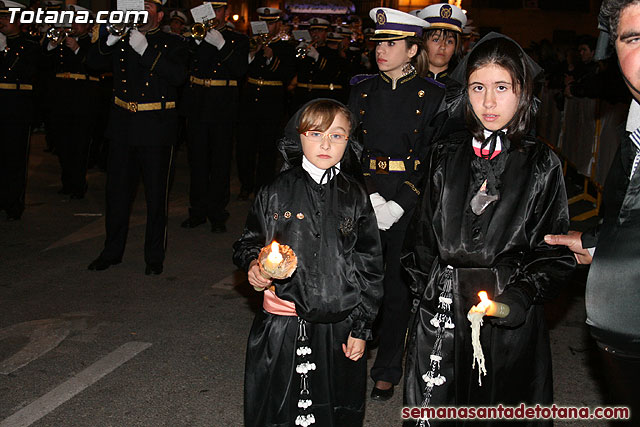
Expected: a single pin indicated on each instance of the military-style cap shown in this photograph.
(268, 14)
(444, 16)
(414, 12)
(319, 24)
(334, 37)
(76, 8)
(344, 31)
(393, 24)
(176, 14)
(6, 4)
(216, 4)
(53, 5)
(368, 32)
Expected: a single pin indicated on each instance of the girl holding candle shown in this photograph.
(305, 361)
(492, 193)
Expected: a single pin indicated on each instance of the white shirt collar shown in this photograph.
(315, 172)
(487, 134)
(633, 119)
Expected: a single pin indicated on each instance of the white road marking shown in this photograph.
(44, 335)
(65, 391)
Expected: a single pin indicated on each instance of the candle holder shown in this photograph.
(276, 262)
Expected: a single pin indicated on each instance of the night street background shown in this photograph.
(179, 338)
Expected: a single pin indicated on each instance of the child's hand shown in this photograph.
(254, 276)
(354, 349)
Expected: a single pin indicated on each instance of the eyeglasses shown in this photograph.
(334, 138)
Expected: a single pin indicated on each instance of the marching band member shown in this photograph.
(148, 67)
(210, 103)
(394, 109)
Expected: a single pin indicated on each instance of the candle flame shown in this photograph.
(275, 256)
(485, 302)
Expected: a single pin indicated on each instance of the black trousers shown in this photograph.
(394, 313)
(621, 376)
(210, 152)
(14, 154)
(256, 150)
(125, 166)
(72, 139)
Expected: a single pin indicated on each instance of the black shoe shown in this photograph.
(381, 395)
(100, 264)
(193, 222)
(244, 195)
(153, 269)
(218, 228)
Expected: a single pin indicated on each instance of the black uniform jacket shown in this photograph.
(395, 124)
(76, 94)
(269, 99)
(613, 287)
(329, 68)
(153, 77)
(215, 103)
(18, 66)
(502, 247)
(339, 271)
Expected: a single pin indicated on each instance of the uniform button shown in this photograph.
(318, 213)
(362, 112)
(476, 232)
(363, 95)
(317, 235)
(315, 254)
(364, 131)
(416, 131)
(418, 112)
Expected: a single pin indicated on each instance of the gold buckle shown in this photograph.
(261, 82)
(382, 165)
(133, 107)
(330, 86)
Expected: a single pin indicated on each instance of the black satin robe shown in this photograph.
(502, 247)
(336, 287)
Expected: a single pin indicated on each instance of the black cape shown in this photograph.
(502, 247)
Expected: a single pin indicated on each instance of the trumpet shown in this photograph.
(301, 52)
(58, 34)
(121, 28)
(199, 29)
(258, 41)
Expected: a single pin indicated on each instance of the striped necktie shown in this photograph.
(635, 138)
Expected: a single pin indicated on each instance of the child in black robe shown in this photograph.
(492, 193)
(305, 361)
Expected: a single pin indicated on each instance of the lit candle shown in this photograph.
(274, 259)
(490, 308)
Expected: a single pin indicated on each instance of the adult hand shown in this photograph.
(255, 278)
(354, 349)
(267, 52)
(214, 37)
(3, 41)
(71, 43)
(138, 41)
(111, 39)
(572, 240)
(518, 305)
(388, 214)
(312, 52)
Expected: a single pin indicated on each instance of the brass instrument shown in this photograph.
(301, 52)
(58, 34)
(259, 40)
(199, 29)
(121, 28)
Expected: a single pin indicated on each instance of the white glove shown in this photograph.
(3, 41)
(111, 39)
(313, 53)
(376, 200)
(138, 41)
(388, 214)
(214, 37)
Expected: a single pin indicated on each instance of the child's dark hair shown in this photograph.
(320, 114)
(508, 55)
